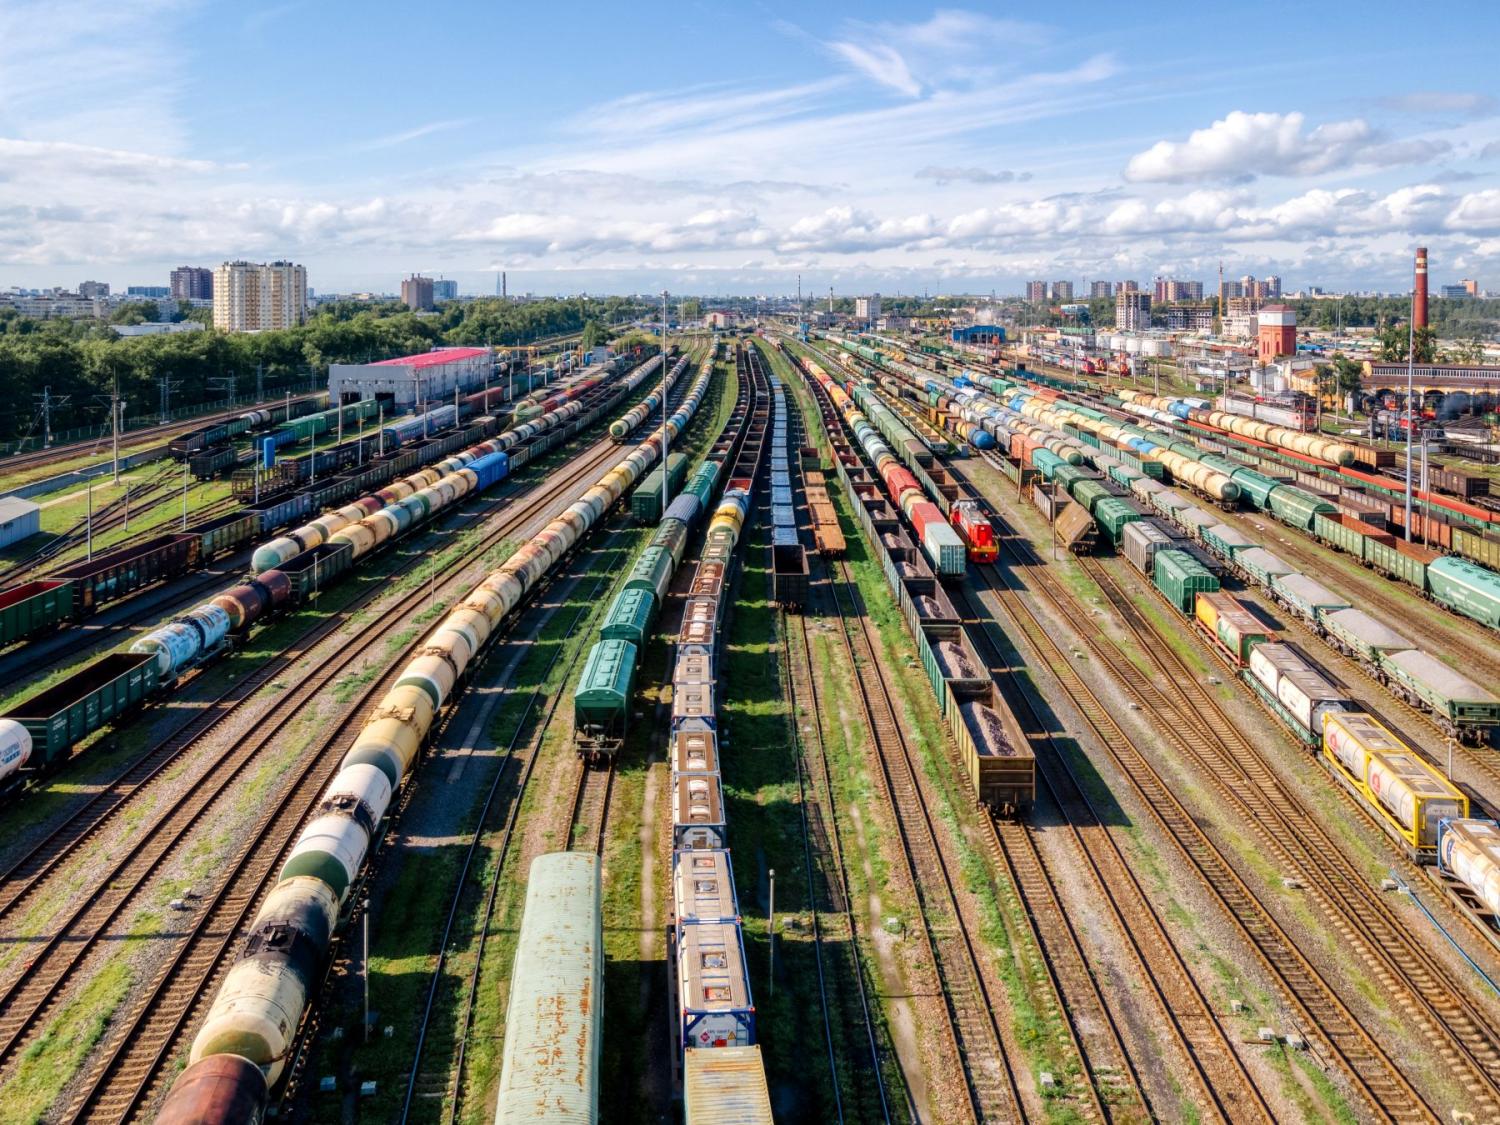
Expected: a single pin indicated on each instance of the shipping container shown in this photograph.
(703, 887)
(725, 1086)
(1297, 691)
(698, 811)
(1231, 626)
(713, 988)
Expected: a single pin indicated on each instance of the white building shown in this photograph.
(18, 519)
(403, 383)
(158, 328)
(867, 308)
(254, 297)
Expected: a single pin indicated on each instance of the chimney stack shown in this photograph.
(1419, 303)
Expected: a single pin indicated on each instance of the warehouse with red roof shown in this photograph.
(407, 382)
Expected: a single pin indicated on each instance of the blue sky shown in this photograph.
(718, 147)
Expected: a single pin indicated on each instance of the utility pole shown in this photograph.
(184, 494)
(114, 414)
(771, 936)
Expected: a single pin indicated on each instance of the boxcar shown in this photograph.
(554, 1023)
(1180, 577)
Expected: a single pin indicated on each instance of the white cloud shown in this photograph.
(953, 48)
(57, 164)
(1478, 212)
(1242, 146)
(1437, 101)
(947, 174)
(882, 63)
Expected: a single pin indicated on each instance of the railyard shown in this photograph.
(898, 789)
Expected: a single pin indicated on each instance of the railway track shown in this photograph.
(25, 878)
(444, 1079)
(1463, 1036)
(973, 1031)
(820, 835)
(839, 962)
(1223, 1089)
(31, 998)
(1370, 1069)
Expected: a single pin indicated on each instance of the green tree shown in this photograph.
(135, 312)
(1394, 340)
(592, 334)
(692, 309)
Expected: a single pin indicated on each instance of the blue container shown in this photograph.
(490, 468)
(267, 452)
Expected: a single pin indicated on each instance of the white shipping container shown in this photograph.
(1470, 849)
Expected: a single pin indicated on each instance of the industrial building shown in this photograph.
(867, 308)
(255, 297)
(444, 290)
(404, 383)
(18, 519)
(1275, 333)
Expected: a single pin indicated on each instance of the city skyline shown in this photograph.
(918, 148)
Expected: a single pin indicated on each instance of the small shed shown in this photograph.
(18, 519)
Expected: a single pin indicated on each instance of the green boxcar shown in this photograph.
(1067, 475)
(1297, 507)
(1089, 493)
(1182, 578)
(1466, 587)
(108, 688)
(1387, 557)
(1482, 549)
(1047, 463)
(1228, 541)
(1329, 528)
(1257, 486)
(34, 606)
(1113, 514)
(601, 701)
(645, 501)
(652, 571)
(629, 617)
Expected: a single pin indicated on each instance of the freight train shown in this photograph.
(291, 570)
(259, 1009)
(602, 697)
(185, 445)
(1401, 790)
(996, 755)
(713, 1010)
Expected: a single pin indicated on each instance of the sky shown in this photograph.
(707, 147)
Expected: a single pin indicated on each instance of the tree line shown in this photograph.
(79, 362)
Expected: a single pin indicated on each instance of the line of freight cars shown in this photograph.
(944, 549)
(1457, 584)
(996, 755)
(252, 421)
(1458, 705)
(260, 1007)
(49, 725)
(602, 697)
(1480, 527)
(77, 591)
(788, 556)
(714, 1031)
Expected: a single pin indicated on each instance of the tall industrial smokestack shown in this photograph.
(1419, 302)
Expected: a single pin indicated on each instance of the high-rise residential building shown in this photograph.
(193, 283)
(1102, 289)
(1036, 292)
(867, 308)
(1167, 290)
(444, 290)
(147, 291)
(416, 292)
(1062, 291)
(93, 290)
(1270, 288)
(1132, 311)
(1190, 317)
(1127, 287)
(254, 297)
